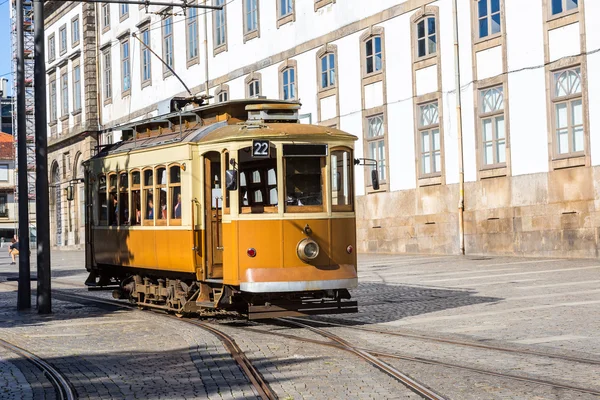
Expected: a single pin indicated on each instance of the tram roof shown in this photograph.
(231, 129)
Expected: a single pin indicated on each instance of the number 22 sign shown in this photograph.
(260, 149)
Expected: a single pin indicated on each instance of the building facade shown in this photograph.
(8, 208)
(386, 73)
(72, 112)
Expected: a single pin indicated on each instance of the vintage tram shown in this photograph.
(234, 206)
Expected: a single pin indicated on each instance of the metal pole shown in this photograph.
(461, 172)
(44, 300)
(206, 53)
(24, 296)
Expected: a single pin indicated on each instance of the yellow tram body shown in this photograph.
(223, 207)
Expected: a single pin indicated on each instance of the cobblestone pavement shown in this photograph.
(542, 305)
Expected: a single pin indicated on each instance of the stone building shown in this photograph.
(385, 71)
(72, 111)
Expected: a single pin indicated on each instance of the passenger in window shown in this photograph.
(116, 209)
(163, 209)
(177, 210)
(150, 209)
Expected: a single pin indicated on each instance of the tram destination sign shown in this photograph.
(261, 148)
(304, 150)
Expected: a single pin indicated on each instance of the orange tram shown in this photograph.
(235, 206)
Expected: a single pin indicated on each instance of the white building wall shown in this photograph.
(592, 9)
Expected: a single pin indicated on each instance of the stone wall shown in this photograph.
(544, 215)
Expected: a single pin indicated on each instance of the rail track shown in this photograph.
(59, 382)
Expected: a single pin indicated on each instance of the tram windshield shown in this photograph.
(304, 184)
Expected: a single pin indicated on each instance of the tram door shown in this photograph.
(213, 202)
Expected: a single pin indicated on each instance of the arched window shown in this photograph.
(148, 210)
(426, 36)
(288, 80)
(136, 200)
(253, 84)
(373, 54)
(568, 111)
(328, 71)
(113, 199)
(175, 194)
(492, 126)
(161, 195)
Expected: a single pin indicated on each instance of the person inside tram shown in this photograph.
(150, 209)
(13, 250)
(116, 209)
(177, 210)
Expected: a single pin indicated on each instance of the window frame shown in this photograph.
(287, 66)
(172, 221)
(107, 84)
(125, 62)
(157, 191)
(53, 100)
(251, 78)
(476, 18)
(75, 23)
(133, 188)
(144, 51)
(568, 100)
(120, 190)
(219, 47)
(492, 115)
(64, 94)
(76, 88)
(5, 166)
(253, 33)
(166, 38)
(111, 191)
(296, 209)
(563, 13)
(145, 188)
(327, 72)
(123, 11)
(220, 90)
(289, 17)
(427, 54)
(367, 141)
(189, 22)
(332, 90)
(99, 221)
(105, 17)
(51, 47)
(322, 3)
(344, 207)
(429, 128)
(371, 38)
(62, 34)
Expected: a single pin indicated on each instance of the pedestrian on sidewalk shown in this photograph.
(13, 250)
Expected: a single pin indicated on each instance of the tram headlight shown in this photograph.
(308, 249)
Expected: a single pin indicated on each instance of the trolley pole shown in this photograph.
(44, 301)
(24, 295)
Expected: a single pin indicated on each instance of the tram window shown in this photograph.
(341, 180)
(257, 182)
(113, 200)
(161, 176)
(226, 164)
(175, 191)
(136, 215)
(123, 207)
(148, 198)
(161, 194)
(304, 184)
(102, 201)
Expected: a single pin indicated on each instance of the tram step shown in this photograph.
(296, 309)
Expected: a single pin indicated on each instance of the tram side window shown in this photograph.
(123, 208)
(148, 209)
(175, 191)
(304, 184)
(258, 182)
(341, 179)
(102, 201)
(113, 200)
(136, 215)
(161, 193)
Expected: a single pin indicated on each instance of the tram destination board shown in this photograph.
(261, 149)
(304, 150)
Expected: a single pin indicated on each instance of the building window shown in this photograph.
(75, 31)
(192, 34)
(4, 172)
(125, 67)
(62, 36)
(64, 93)
(328, 71)
(3, 205)
(430, 140)
(146, 66)
(251, 15)
(568, 112)
(53, 105)
(107, 81)
(286, 7)
(222, 96)
(562, 6)
(373, 55)
(105, 17)
(123, 11)
(376, 143)
(288, 77)
(493, 133)
(220, 33)
(426, 37)
(76, 88)
(51, 48)
(168, 43)
(253, 88)
(488, 15)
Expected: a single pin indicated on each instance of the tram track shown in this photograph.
(61, 385)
